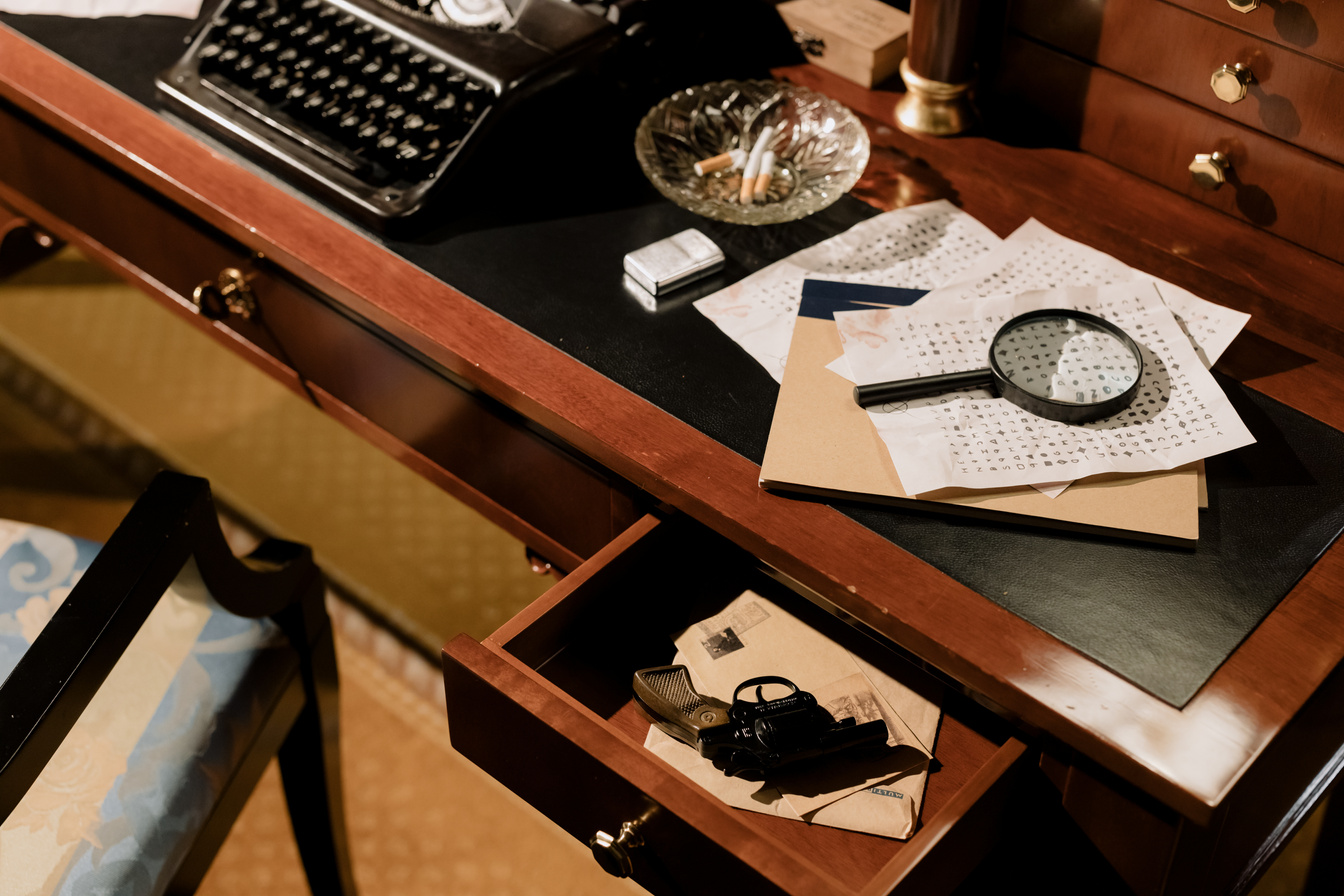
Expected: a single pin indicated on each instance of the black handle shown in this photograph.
(922, 386)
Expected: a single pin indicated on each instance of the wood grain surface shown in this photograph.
(1177, 52)
(1315, 27)
(1276, 185)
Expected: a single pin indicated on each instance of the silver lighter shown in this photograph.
(673, 261)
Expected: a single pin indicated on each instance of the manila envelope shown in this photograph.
(874, 794)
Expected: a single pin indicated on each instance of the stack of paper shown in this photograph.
(821, 442)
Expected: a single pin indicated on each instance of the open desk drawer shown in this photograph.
(544, 705)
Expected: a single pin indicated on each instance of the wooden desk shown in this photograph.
(1208, 784)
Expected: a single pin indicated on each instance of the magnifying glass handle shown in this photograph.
(922, 387)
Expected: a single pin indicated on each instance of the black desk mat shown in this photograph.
(548, 257)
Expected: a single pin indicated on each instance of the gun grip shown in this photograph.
(666, 695)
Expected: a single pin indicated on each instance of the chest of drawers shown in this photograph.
(1236, 110)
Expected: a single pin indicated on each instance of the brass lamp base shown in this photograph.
(933, 107)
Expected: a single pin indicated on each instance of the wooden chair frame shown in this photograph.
(171, 525)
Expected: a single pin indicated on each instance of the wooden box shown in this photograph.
(862, 40)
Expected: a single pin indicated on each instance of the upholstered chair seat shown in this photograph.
(156, 765)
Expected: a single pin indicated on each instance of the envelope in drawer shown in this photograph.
(874, 794)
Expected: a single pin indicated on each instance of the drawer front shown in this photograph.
(557, 503)
(1313, 27)
(1271, 184)
(474, 447)
(1289, 95)
(585, 780)
(544, 706)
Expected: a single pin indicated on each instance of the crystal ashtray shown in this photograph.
(820, 149)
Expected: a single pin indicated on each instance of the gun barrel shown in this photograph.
(868, 734)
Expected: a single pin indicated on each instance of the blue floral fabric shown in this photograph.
(119, 804)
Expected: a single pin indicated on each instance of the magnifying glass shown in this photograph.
(1063, 365)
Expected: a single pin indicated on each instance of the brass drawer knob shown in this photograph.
(228, 294)
(613, 853)
(1243, 5)
(1229, 83)
(1210, 169)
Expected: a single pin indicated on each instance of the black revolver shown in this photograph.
(748, 739)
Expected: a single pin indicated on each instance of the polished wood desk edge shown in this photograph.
(1029, 673)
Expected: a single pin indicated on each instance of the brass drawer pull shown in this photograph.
(1230, 82)
(613, 853)
(229, 294)
(29, 242)
(1243, 5)
(1210, 169)
(39, 237)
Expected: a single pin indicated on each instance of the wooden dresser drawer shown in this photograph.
(560, 505)
(1291, 96)
(1315, 27)
(1271, 184)
(545, 706)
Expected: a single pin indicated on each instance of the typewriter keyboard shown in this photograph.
(376, 106)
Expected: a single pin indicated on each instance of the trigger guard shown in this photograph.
(764, 680)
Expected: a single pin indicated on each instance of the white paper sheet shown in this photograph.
(919, 247)
(93, 9)
(972, 440)
(1211, 327)
(1035, 257)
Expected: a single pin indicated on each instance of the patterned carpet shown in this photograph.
(421, 819)
(97, 384)
(402, 547)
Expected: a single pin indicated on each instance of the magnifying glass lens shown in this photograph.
(1062, 365)
(1066, 359)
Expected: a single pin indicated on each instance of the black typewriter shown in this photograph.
(372, 104)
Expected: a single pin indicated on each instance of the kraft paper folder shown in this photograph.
(822, 443)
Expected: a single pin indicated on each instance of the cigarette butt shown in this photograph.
(753, 167)
(761, 188)
(733, 158)
(714, 163)
(762, 185)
